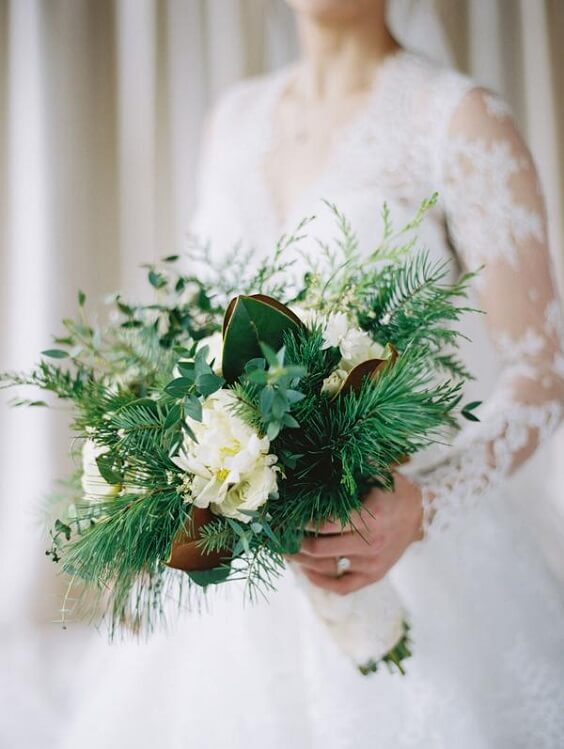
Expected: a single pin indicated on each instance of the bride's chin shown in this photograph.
(335, 11)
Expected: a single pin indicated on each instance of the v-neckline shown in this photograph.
(275, 91)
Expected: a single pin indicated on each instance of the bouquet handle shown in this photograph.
(369, 625)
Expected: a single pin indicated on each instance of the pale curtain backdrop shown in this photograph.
(101, 106)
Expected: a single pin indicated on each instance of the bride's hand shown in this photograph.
(375, 539)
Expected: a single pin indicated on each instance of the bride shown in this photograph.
(360, 121)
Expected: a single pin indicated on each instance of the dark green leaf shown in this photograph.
(156, 279)
(179, 387)
(173, 416)
(55, 353)
(273, 430)
(469, 408)
(193, 407)
(252, 321)
(106, 466)
(63, 528)
(132, 324)
(294, 396)
(269, 354)
(188, 431)
(266, 400)
(253, 364)
(290, 422)
(201, 365)
(186, 369)
(279, 405)
(209, 383)
(209, 577)
(81, 298)
(258, 376)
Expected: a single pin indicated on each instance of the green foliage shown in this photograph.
(137, 386)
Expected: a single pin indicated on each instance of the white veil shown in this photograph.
(416, 25)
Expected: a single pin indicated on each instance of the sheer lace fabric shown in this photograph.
(495, 215)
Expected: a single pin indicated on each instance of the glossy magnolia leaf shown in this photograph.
(370, 368)
(250, 321)
(186, 553)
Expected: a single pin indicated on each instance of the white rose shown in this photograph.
(355, 345)
(229, 468)
(94, 485)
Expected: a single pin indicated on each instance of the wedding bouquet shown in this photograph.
(241, 410)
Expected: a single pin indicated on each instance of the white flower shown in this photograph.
(333, 383)
(356, 345)
(308, 316)
(229, 467)
(336, 328)
(94, 485)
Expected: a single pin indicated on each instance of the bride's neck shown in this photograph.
(341, 59)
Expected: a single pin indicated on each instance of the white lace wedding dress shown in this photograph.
(487, 617)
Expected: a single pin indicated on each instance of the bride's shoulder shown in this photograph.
(239, 101)
(453, 96)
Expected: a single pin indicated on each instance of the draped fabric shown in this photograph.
(101, 106)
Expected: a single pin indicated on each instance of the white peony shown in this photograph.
(229, 468)
(94, 485)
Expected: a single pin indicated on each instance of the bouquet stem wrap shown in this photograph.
(367, 625)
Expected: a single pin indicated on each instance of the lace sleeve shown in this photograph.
(495, 217)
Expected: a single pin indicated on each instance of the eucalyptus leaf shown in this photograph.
(209, 383)
(179, 387)
(203, 578)
(266, 400)
(193, 407)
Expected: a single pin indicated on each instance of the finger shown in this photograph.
(330, 526)
(343, 545)
(328, 565)
(357, 523)
(340, 585)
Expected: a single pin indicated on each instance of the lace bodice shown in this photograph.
(425, 129)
